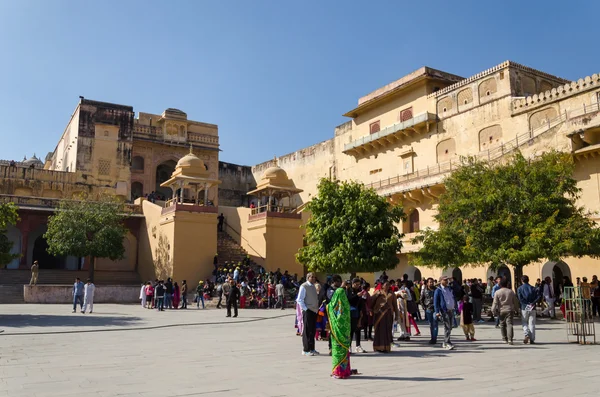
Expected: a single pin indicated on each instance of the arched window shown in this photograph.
(374, 127)
(137, 163)
(413, 222)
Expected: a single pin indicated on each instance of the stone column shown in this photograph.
(206, 194)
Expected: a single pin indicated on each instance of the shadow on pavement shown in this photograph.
(399, 378)
(70, 320)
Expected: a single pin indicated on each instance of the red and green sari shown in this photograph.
(338, 314)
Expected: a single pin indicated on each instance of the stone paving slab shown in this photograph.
(201, 353)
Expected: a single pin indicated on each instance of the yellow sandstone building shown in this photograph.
(402, 139)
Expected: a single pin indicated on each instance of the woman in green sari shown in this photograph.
(338, 313)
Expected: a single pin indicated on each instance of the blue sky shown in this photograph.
(275, 75)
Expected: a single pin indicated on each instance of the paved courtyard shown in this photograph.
(122, 350)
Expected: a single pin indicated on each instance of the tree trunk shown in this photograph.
(518, 275)
(92, 267)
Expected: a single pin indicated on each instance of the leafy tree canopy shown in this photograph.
(88, 228)
(351, 229)
(8, 217)
(513, 213)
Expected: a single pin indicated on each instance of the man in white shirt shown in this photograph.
(88, 296)
(309, 303)
(549, 297)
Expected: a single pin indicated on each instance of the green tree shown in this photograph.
(351, 229)
(8, 217)
(85, 228)
(510, 213)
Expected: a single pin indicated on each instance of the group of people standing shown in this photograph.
(341, 305)
(160, 295)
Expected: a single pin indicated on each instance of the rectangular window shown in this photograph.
(374, 127)
(406, 114)
(104, 167)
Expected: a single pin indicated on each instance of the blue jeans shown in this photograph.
(199, 299)
(433, 324)
(77, 298)
(167, 302)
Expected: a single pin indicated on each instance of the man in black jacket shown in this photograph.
(232, 298)
(354, 294)
(427, 303)
(477, 300)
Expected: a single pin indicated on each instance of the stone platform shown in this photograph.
(125, 350)
(64, 294)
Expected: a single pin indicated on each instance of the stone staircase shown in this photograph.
(230, 251)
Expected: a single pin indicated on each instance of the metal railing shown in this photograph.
(490, 154)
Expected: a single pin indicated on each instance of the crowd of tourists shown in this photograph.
(341, 311)
(233, 285)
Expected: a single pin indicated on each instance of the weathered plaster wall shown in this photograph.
(236, 181)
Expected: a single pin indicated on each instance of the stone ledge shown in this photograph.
(64, 294)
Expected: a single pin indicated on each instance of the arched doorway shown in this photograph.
(413, 221)
(556, 270)
(417, 276)
(163, 173)
(44, 258)
(137, 190)
(502, 271)
(457, 275)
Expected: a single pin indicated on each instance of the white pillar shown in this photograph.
(206, 194)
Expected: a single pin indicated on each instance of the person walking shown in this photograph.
(88, 296)
(232, 298)
(35, 268)
(495, 288)
(466, 319)
(77, 294)
(427, 303)
(149, 294)
(143, 295)
(279, 289)
(505, 304)
(220, 294)
(309, 303)
(595, 291)
(221, 219)
(200, 295)
(528, 297)
(549, 296)
(444, 306)
(184, 294)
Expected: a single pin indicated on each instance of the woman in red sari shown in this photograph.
(385, 312)
(176, 295)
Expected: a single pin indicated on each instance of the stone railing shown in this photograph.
(520, 105)
(51, 203)
(156, 134)
(8, 172)
(203, 138)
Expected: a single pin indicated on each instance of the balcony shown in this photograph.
(391, 135)
(155, 134)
